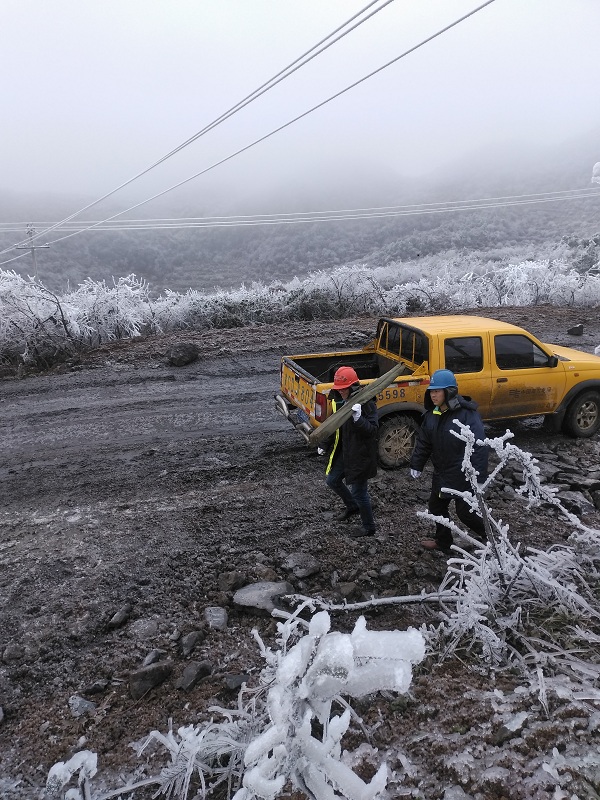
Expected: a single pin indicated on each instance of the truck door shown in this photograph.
(523, 382)
(469, 359)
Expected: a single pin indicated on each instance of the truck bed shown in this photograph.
(322, 368)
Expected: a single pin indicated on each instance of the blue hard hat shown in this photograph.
(442, 379)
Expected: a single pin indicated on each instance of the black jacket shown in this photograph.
(436, 442)
(355, 442)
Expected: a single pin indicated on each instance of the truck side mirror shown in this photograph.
(553, 361)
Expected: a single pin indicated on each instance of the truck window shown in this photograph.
(393, 342)
(514, 351)
(414, 346)
(464, 354)
(389, 337)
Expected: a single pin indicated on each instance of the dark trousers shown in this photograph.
(354, 496)
(439, 505)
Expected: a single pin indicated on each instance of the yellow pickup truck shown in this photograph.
(504, 368)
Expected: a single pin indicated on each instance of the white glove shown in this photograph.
(414, 473)
(320, 451)
(356, 411)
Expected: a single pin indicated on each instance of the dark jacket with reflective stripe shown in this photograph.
(355, 442)
(436, 442)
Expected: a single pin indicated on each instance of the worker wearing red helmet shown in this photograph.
(352, 452)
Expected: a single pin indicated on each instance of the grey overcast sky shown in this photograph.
(93, 92)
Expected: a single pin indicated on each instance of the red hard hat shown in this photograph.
(344, 377)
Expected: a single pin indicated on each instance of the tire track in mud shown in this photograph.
(54, 422)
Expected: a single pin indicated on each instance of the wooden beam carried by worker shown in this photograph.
(333, 422)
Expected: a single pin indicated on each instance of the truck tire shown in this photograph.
(396, 440)
(583, 415)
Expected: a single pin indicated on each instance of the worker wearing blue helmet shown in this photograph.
(436, 442)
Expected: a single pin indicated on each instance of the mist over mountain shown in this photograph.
(226, 257)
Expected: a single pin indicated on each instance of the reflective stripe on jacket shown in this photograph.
(336, 441)
(355, 442)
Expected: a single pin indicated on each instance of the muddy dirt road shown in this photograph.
(126, 482)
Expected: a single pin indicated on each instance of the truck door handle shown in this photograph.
(501, 380)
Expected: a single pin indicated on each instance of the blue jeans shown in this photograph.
(354, 496)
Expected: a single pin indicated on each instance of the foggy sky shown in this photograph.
(93, 92)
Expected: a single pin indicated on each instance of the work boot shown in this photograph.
(349, 512)
(481, 543)
(433, 544)
(358, 533)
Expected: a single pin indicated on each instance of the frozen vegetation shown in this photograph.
(39, 327)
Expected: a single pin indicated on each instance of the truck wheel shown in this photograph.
(583, 415)
(396, 440)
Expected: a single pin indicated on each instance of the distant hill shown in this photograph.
(227, 257)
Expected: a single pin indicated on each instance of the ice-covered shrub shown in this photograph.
(508, 607)
(83, 765)
(245, 306)
(104, 313)
(35, 324)
(39, 327)
(528, 609)
(522, 284)
(337, 293)
(287, 731)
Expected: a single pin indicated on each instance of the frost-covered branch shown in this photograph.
(270, 740)
(509, 606)
(504, 595)
(316, 602)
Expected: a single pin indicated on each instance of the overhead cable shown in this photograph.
(341, 216)
(16, 258)
(262, 220)
(265, 87)
(281, 127)
(579, 192)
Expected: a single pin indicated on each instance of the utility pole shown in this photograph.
(33, 247)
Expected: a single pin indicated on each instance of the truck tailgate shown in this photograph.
(298, 386)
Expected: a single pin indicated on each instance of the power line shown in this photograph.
(576, 193)
(342, 216)
(265, 87)
(324, 216)
(10, 260)
(262, 220)
(278, 129)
